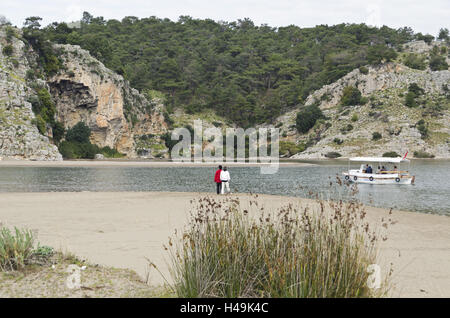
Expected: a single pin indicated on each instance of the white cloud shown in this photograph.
(72, 13)
(422, 16)
(373, 11)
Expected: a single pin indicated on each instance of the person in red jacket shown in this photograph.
(217, 180)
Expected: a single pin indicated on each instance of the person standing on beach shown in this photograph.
(217, 180)
(225, 178)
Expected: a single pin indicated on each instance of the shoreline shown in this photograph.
(135, 163)
(168, 163)
(123, 229)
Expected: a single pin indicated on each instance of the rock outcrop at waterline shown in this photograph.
(19, 136)
(116, 113)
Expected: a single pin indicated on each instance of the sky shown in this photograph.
(423, 16)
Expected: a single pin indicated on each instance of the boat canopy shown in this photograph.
(379, 159)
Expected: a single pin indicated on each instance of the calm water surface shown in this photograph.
(430, 194)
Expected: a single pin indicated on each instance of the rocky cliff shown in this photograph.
(349, 131)
(118, 115)
(19, 136)
(82, 90)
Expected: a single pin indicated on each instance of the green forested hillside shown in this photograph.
(249, 74)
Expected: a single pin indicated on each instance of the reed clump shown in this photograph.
(17, 249)
(236, 249)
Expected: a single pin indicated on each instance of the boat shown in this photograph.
(382, 171)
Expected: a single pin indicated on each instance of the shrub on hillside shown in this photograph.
(40, 124)
(364, 70)
(45, 111)
(58, 132)
(376, 136)
(414, 91)
(351, 96)
(85, 150)
(44, 106)
(391, 154)
(427, 38)
(415, 61)
(8, 50)
(333, 155)
(79, 133)
(10, 33)
(307, 117)
(347, 128)
(78, 146)
(423, 155)
(422, 127)
(109, 152)
(290, 148)
(410, 99)
(438, 63)
(78, 150)
(379, 53)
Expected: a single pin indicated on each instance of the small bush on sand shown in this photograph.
(229, 250)
(16, 248)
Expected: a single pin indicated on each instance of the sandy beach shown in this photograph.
(125, 229)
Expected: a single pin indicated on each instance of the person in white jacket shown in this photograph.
(225, 178)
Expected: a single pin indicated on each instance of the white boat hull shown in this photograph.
(370, 178)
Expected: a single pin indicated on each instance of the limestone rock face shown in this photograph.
(384, 77)
(19, 136)
(88, 91)
(349, 131)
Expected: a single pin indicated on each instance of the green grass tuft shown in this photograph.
(16, 248)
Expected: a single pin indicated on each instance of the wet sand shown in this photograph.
(124, 229)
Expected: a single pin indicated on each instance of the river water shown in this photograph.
(430, 193)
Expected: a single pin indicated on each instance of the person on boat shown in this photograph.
(395, 168)
(378, 170)
(383, 169)
(225, 178)
(217, 180)
(369, 169)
